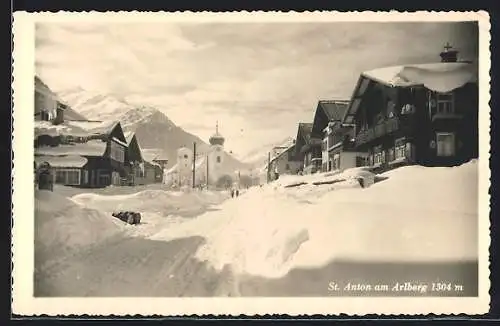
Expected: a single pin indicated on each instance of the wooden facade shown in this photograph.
(308, 149)
(337, 148)
(104, 153)
(413, 124)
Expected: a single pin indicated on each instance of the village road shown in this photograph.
(135, 267)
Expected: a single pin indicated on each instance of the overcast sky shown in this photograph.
(258, 80)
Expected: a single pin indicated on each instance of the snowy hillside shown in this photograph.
(94, 106)
(154, 130)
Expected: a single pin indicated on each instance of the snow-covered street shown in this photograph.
(274, 240)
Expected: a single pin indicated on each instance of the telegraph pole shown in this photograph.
(207, 171)
(194, 164)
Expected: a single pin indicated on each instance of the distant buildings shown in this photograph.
(285, 162)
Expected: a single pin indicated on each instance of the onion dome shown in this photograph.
(216, 139)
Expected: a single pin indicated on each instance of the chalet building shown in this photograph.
(139, 170)
(308, 149)
(45, 101)
(337, 150)
(97, 160)
(49, 107)
(424, 114)
(285, 162)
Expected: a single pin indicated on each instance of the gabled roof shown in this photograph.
(439, 77)
(326, 111)
(458, 73)
(304, 131)
(288, 149)
(334, 109)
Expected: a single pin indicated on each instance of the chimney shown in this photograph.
(59, 114)
(449, 55)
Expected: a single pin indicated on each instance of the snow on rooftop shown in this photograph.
(440, 77)
(90, 148)
(73, 128)
(70, 161)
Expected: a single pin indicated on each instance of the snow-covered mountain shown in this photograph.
(94, 106)
(258, 156)
(154, 130)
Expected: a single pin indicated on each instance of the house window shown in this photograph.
(85, 176)
(117, 152)
(445, 144)
(287, 167)
(103, 177)
(400, 149)
(69, 177)
(379, 157)
(445, 103)
(360, 161)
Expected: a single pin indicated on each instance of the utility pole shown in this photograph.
(207, 171)
(268, 166)
(194, 164)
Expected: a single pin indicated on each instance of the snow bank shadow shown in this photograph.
(355, 279)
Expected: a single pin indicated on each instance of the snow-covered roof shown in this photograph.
(70, 161)
(73, 128)
(90, 148)
(440, 76)
(283, 153)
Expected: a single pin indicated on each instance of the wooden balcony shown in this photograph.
(381, 129)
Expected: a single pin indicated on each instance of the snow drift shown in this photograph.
(416, 214)
(63, 227)
(159, 209)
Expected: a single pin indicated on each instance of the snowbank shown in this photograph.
(417, 214)
(159, 209)
(63, 228)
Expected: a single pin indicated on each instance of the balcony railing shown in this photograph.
(379, 130)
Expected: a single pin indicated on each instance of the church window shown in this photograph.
(218, 159)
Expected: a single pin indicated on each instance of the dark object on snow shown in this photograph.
(361, 182)
(329, 182)
(128, 217)
(45, 177)
(295, 184)
(237, 192)
(232, 193)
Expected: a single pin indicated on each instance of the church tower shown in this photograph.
(216, 155)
